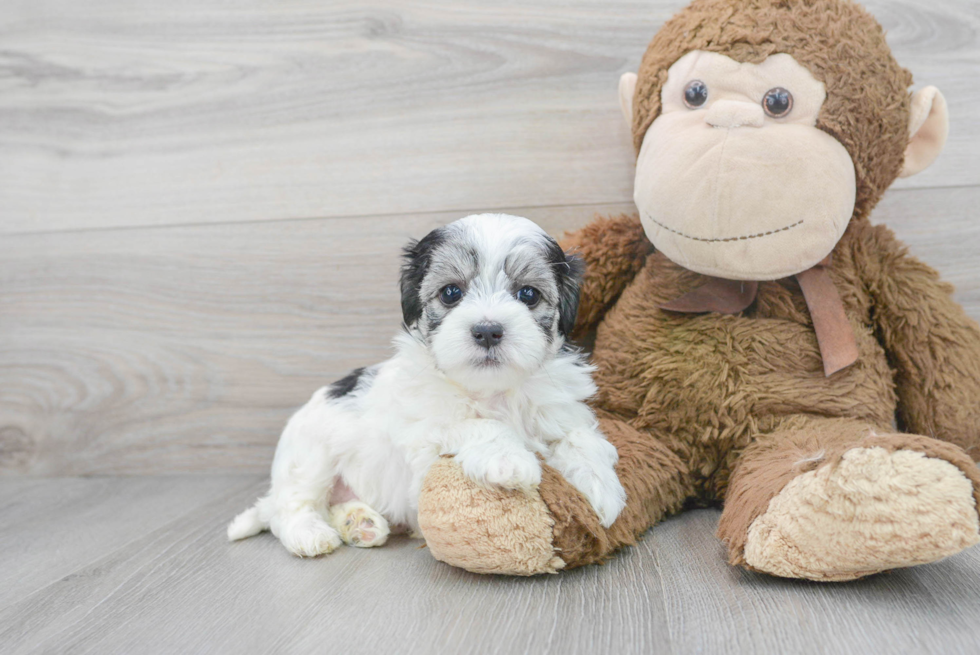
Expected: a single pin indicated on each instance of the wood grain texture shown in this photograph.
(114, 113)
(180, 587)
(183, 588)
(201, 209)
(715, 608)
(177, 349)
(185, 349)
(52, 527)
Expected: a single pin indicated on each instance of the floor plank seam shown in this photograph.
(658, 566)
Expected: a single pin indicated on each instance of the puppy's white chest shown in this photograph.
(497, 406)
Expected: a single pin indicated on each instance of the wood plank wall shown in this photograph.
(202, 203)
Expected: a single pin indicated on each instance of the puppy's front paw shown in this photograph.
(608, 499)
(510, 468)
(308, 535)
(601, 487)
(516, 470)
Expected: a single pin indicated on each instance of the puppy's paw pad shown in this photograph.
(359, 525)
(514, 471)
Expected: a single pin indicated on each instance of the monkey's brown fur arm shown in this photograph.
(932, 345)
(614, 250)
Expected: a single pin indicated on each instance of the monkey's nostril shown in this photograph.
(487, 334)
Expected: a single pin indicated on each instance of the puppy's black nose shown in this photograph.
(487, 334)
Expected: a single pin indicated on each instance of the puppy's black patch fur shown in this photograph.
(568, 270)
(346, 384)
(545, 323)
(432, 321)
(418, 256)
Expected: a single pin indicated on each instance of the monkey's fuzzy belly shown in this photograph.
(707, 385)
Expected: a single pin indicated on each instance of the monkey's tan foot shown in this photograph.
(485, 530)
(359, 525)
(875, 510)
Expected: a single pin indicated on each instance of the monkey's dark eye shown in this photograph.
(695, 94)
(450, 294)
(777, 102)
(529, 296)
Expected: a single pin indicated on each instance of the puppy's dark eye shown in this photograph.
(450, 294)
(529, 296)
(777, 102)
(695, 94)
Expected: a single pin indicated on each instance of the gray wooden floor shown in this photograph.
(201, 206)
(140, 565)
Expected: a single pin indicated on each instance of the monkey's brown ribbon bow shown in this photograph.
(835, 337)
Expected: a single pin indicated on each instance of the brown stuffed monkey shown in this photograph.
(756, 337)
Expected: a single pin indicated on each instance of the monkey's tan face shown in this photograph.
(733, 178)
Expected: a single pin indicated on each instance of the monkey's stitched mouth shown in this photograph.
(720, 240)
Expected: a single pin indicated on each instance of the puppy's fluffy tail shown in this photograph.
(246, 524)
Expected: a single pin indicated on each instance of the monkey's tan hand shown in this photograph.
(874, 511)
(485, 530)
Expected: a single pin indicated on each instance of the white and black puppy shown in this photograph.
(481, 372)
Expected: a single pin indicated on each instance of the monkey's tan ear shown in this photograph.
(928, 129)
(627, 85)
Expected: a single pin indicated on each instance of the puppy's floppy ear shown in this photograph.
(569, 281)
(418, 256)
(569, 270)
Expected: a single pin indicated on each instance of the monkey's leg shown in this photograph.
(828, 499)
(497, 531)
